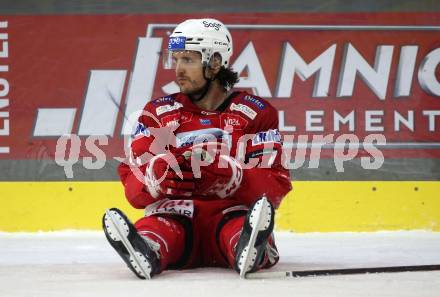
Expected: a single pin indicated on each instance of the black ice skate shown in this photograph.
(140, 255)
(257, 228)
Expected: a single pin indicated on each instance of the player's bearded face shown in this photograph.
(189, 72)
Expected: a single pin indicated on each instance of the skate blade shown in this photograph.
(260, 220)
(118, 230)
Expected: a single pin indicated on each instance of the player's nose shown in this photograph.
(179, 68)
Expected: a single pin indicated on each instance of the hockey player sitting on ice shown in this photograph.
(206, 202)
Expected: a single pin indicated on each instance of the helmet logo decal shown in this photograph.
(176, 43)
(212, 24)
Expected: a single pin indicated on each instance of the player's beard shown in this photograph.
(193, 91)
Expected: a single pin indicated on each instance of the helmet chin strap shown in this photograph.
(205, 89)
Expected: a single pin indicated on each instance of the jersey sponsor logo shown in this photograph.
(141, 130)
(172, 123)
(259, 153)
(255, 101)
(205, 122)
(172, 119)
(167, 108)
(272, 135)
(163, 100)
(165, 206)
(207, 112)
(176, 118)
(234, 120)
(204, 135)
(244, 109)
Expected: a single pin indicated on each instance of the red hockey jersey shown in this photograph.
(240, 116)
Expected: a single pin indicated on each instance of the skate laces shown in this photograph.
(154, 246)
(272, 254)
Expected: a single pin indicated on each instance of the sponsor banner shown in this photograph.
(325, 73)
(392, 206)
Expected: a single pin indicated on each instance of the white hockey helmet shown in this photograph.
(206, 36)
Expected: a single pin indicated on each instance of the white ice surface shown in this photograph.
(82, 264)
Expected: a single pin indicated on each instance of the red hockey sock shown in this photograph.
(168, 233)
